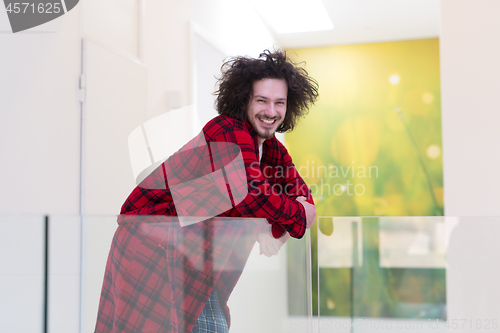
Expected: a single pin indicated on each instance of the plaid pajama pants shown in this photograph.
(211, 319)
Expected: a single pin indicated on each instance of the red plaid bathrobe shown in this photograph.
(159, 274)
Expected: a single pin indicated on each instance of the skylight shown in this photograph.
(291, 16)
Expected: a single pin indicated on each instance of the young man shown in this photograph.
(166, 275)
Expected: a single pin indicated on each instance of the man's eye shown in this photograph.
(260, 100)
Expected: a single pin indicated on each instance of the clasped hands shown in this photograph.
(270, 246)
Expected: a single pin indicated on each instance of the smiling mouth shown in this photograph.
(267, 121)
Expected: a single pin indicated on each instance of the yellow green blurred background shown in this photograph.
(361, 157)
(353, 149)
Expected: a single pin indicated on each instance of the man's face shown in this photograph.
(267, 107)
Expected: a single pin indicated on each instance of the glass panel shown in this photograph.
(97, 234)
(472, 274)
(376, 274)
(402, 281)
(160, 274)
(22, 274)
(64, 273)
(408, 274)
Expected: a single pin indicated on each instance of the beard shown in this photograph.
(263, 132)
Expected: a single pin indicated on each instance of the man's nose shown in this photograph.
(271, 110)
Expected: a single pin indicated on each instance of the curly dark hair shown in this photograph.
(235, 86)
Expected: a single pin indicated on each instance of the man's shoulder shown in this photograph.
(223, 123)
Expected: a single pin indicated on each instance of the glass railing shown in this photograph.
(408, 274)
(367, 274)
(23, 288)
(157, 277)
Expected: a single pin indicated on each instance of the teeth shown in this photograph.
(267, 121)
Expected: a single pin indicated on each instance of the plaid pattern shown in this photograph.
(198, 158)
(211, 319)
(159, 275)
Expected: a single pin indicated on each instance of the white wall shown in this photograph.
(39, 117)
(167, 45)
(115, 105)
(470, 80)
(114, 22)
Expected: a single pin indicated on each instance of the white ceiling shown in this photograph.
(368, 21)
